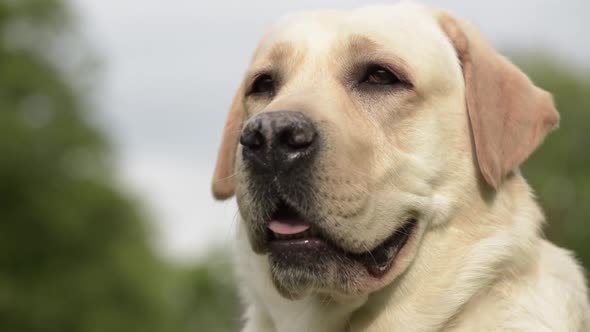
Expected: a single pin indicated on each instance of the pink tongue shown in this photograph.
(288, 227)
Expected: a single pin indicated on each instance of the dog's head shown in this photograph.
(356, 132)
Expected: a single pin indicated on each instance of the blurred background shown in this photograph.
(110, 117)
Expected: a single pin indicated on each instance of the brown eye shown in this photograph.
(263, 85)
(378, 75)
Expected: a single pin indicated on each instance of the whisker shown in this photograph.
(231, 230)
(370, 254)
(225, 178)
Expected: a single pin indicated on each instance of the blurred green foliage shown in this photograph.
(205, 296)
(75, 250)
(560, 170)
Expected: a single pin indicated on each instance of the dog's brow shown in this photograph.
(357, 44)
(270, 59)
(281, 51)
(362, 48)
(276, 53)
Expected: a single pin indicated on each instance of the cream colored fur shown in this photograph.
(479, 261)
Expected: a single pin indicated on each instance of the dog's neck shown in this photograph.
(463, 262)
(468, 260)
(432, 296)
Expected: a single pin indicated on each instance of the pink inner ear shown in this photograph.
(509, 116)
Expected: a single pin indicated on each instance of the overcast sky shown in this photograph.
(169, 70)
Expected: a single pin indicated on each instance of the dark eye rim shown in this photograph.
(373, 69)
(364, 71)
(254, 89)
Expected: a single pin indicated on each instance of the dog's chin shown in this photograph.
(308, 262)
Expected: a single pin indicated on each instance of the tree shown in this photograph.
(205, 296)
(74, 251)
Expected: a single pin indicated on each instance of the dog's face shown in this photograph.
(355, 140)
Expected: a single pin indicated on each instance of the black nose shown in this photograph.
(278, 140)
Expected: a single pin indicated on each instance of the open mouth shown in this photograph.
(297, 240)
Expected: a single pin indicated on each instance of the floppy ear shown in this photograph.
(224, 185)
(509, 115)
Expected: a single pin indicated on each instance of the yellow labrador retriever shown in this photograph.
(374, 155)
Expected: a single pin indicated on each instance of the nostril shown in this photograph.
(297, 138)
(252, 139)
(278, 140)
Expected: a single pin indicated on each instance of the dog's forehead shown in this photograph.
(407, 29)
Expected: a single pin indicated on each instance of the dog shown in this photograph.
(374, 157)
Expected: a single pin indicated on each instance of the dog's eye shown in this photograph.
(263, 85)
(378, 75)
